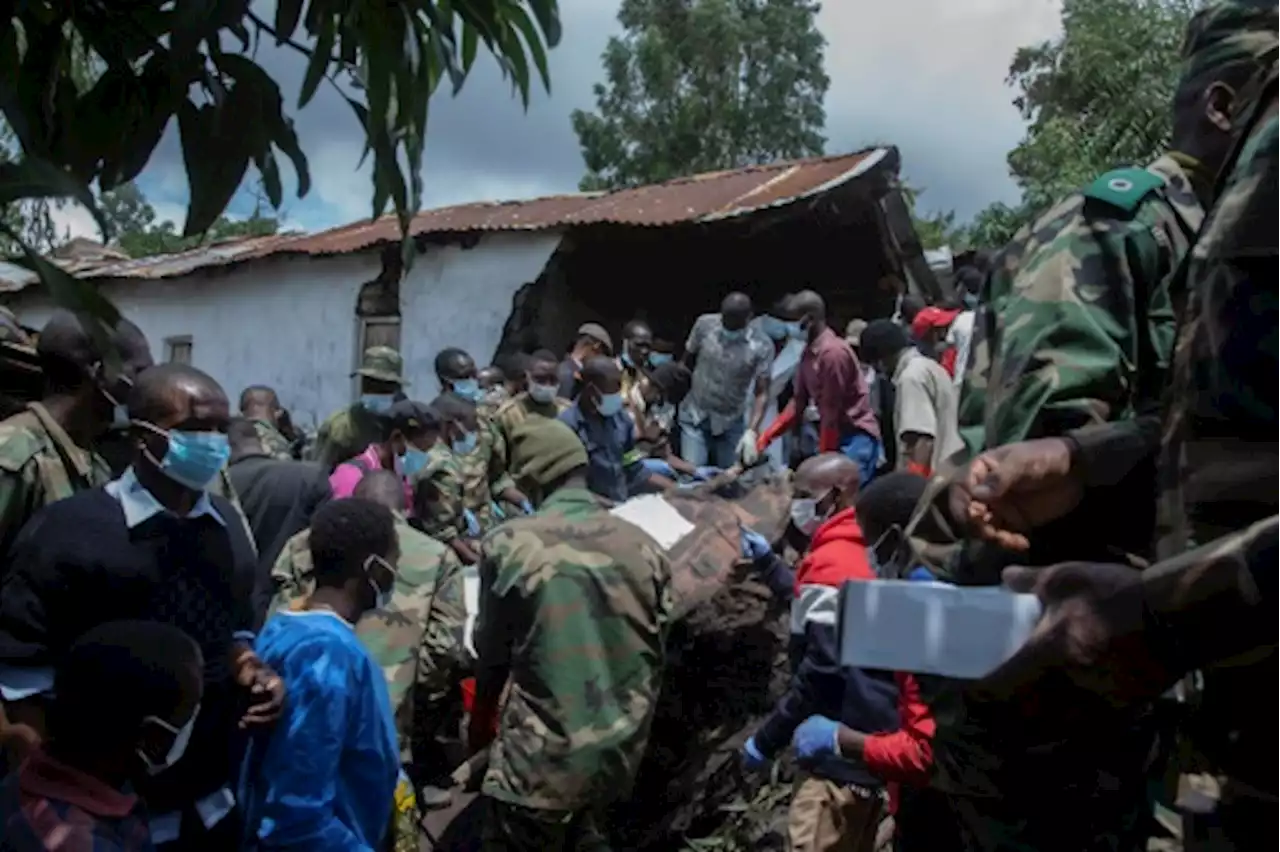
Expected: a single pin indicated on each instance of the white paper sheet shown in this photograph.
(656, 517)
(933, 628)
(471, 601)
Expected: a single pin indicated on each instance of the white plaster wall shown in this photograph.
(289, 322)
(462, 297)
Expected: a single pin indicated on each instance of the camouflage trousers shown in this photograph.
(514, 828)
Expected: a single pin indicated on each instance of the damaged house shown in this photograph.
(295, 311)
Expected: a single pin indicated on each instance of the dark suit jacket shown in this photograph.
(278, 497)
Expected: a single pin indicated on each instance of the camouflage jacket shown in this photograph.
(483, 472)
(574, 608)
(503, 424)
(346, 434)
(417, 640)
(1219, 454)
(437, 496)
(1076, 321)
(273, 443)
(39, 465)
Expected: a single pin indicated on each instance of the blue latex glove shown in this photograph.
(706, 472)
(526, 507)
(754, 546)
(816, 737)
(752, 758)
(473, 526)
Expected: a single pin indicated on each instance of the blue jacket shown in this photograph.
(325, 778)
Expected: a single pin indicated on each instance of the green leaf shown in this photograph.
(318, 65)
(287, 14)
(264, 93)
(32, 178)
(216, 153)
(470, 40)
(270, 172)
(534, 43)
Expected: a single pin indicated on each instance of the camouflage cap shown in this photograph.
(1225, 34)
(543, 450)
(383, 364)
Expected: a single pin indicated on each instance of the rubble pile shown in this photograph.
(728, 667)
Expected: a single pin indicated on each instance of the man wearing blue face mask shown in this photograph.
(48, 451)
(483, 468)
(609, 434)
(154, 545)
(347, 432)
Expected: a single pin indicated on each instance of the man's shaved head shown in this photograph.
(809, 303)
(600, 372)
(168, 394)
(257, 398)
(735, 311)
(384, 487)
(826, 472)
(68, 352)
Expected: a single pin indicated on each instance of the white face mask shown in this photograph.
(181, 736)
(804, 514)
(382, 597)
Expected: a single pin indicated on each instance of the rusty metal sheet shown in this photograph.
(697, 198)
(703, 197)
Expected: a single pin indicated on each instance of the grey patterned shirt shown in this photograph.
(725, 371)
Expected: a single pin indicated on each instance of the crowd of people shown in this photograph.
(219, 633)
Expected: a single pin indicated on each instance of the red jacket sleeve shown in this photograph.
(948, 361)
(904, 755)
(785, 419)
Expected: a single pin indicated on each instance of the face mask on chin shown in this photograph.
(181, 736)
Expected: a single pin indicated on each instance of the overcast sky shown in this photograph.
(925, 75)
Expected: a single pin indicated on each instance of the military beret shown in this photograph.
(1225, 34)
(544, 450)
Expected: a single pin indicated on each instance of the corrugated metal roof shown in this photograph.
(14, 278)
(704, 197)
(700, 198)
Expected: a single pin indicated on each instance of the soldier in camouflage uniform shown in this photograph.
(418, 638)
(489, 493)
(347, 433)
(260, 405)
(1075, 330)
(1220, 451)
(538, 400)
(46, 451)
(574, 608)
(439, 504)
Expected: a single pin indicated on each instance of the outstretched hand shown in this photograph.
(1008, 491)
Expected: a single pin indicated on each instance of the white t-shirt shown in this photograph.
(960, 335)
(927, 403)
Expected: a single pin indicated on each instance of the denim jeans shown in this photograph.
(865, 450)
(699, 447)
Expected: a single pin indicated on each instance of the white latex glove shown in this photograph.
(747, 448)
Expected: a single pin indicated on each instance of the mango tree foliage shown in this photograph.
(702, 85)
(1097, 97)
(193, 62)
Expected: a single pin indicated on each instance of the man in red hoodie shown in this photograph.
(837, 804)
